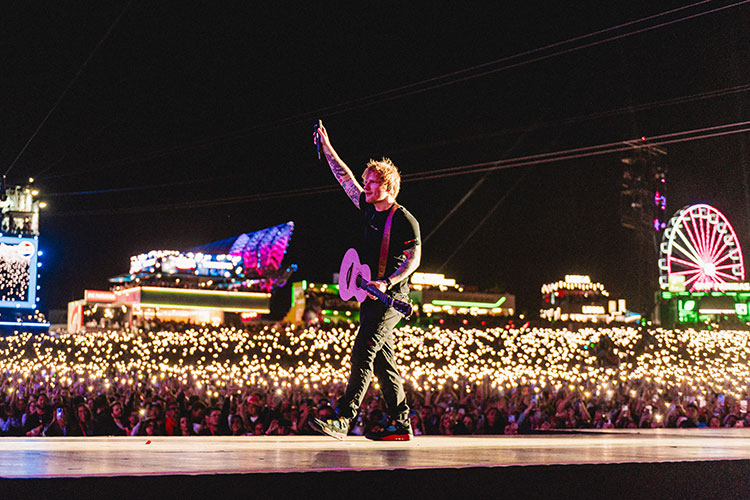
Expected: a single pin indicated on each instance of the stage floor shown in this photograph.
(137, 456)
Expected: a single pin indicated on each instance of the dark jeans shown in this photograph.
(373, 352)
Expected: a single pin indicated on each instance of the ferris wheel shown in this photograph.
(700, 247)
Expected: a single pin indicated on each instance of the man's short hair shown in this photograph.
(387, 172)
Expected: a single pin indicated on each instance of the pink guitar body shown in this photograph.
(351, 267)
(353, 282)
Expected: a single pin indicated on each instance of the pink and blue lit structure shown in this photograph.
(249, 261)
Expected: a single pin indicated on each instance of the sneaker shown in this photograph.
(395, 430)
(336, 427)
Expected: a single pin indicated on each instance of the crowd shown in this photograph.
(273, 381)
(172, 409)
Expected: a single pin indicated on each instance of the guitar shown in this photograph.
(353, 279)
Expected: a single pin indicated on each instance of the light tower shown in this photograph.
(643, 205)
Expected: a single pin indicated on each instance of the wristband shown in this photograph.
(388, 282)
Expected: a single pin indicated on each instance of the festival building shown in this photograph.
(436, 299)
(577, 299)
(223, 282)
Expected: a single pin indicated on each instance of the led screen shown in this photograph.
(18, 272)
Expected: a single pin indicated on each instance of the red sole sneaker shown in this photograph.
(396, 437)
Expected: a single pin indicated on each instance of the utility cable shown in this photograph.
(529, 160)
(484, 219)
(70, 85)
(417, 87)
(463, 200)
(525, 128)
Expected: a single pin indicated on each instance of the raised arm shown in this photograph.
(338, 167)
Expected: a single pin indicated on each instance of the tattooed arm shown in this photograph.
(413, 257)
(339, 168)
(408, 266)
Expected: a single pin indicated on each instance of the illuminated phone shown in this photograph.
(743, 406)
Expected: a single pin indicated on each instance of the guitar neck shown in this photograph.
(404, 308)
(373, 290)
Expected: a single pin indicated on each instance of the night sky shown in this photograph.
(167, 125)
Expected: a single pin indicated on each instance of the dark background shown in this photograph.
(182, 106)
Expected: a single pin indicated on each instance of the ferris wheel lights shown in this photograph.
(696, 245)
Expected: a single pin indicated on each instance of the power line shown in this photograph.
(463, 200)
(62, 157)
(523, 161)
(526, 128)
(456, 206)
(70, 85)
(484, 219)
(542, 57)
(133, 188)
(507, 58)
(584, 152)
(444, 80)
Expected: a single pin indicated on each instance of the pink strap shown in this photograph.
(385, 242)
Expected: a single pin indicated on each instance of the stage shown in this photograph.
(668, 463)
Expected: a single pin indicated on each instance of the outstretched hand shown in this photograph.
(320, 136)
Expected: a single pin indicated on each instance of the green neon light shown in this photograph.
(210, 308)
(187, 291)
(481, 305)
(688, 305)
(666, 295)
(741, 309)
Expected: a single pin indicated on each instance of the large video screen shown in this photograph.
(18, 272)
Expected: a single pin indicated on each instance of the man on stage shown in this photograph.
(392, 250)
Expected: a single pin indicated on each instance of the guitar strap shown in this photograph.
(385, 242)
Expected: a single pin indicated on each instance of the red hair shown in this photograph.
(388, 174)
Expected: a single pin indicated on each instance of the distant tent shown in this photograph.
(261, 250)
